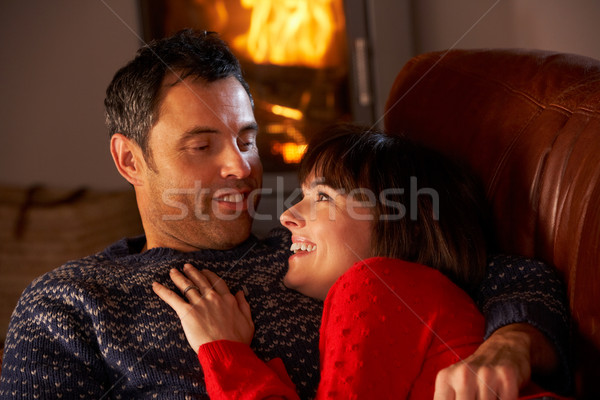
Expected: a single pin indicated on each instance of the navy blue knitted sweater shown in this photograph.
(93, 328)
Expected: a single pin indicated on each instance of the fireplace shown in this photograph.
(295, 56)
(309, 63)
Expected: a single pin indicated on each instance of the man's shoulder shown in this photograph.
(67, 276)
(85, 268)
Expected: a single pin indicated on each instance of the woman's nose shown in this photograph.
(292, 217)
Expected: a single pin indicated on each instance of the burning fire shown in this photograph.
(299, 33)
(291, 152)
(293, 32)
(309, 35)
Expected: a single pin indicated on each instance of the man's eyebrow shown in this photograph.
(253, 126)
(198, 130)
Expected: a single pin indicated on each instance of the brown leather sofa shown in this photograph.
(528, 123)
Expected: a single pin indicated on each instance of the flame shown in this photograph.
(287, 112)
(291, 152)
(293, 32)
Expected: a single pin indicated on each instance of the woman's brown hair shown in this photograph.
(428, 209)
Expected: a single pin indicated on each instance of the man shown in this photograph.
(183, 134)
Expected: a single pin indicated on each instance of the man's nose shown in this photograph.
(234, 163)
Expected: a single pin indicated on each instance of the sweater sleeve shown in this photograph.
(233, 371)
(50, 350)
(518, 289)
(383, 331)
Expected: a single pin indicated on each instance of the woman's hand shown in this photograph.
(212, 312)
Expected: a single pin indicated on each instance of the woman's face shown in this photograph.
(330, 232)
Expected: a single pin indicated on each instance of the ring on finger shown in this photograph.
(190, 287)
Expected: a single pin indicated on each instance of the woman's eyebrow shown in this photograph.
(320, 181)
(324, 186)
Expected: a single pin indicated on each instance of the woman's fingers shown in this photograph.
(204, 280)
(196, 278)
(208, 314)
(191, 290)
(195, 284)
(216, 282)
(169, 297)
(207, 280)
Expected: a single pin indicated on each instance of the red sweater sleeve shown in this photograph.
(233, 371)
(389, 326)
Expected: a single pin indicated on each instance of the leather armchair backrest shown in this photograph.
(528, 123)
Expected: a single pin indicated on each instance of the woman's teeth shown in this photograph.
(296, 247)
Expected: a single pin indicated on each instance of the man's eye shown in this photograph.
(198, 145)
(247, 143)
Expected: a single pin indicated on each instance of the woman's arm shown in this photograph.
(389, 326)
(233, 371)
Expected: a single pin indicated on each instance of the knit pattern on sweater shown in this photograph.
(519, 289)
(94, 329)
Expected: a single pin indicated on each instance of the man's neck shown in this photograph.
(184, 247)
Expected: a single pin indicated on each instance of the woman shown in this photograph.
(390, 235)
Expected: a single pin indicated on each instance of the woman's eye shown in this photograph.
(322, 197)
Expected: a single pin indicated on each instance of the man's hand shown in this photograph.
(499, 367)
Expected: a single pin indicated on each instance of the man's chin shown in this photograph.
(230, 234)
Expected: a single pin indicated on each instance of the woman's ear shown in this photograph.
(128, 158)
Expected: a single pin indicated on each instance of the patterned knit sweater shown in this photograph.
(93, 328)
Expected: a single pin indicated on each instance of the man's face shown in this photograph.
(204, 164)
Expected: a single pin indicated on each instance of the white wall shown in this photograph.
(57, 57)
(570, 26)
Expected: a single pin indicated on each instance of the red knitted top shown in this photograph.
(388, 327)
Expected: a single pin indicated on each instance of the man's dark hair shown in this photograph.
(351, 157)
(133, 97)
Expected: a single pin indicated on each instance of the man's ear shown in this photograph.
(128, 158)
